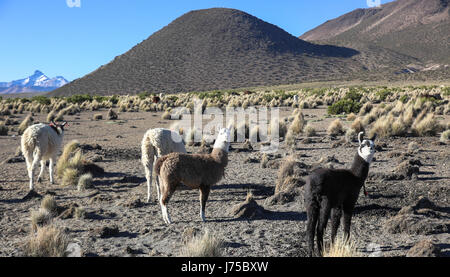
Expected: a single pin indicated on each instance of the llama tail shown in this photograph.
(159, 163)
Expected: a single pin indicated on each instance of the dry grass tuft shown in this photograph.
(25, 123)
(208, 245)
(49, 241)
(49, 204)
(426, 126)
(166, 115)
(335, 128)
(298, 124)
(51, 116)
(341, 248)
(40, 218)
(310, 131)
(445, 136)
(85, 182)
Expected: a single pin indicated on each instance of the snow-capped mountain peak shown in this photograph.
(36, 82)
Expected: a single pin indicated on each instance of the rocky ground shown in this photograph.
(408, 195)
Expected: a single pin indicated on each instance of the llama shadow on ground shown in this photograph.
(256, 189)
(267, 215)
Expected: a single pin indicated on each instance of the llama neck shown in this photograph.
(220, 156)
(360, 168)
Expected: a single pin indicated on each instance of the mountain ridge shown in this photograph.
(216, 48)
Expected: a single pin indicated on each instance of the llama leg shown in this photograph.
(39, 179)
(322, 224)
(336, 214)
(166, 193)
(50, 170)
(347, 222)
(28, 161)
(312, 213)
(204, 193)
(148, 176)
(36, 158)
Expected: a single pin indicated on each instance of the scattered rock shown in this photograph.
(249, 209)
(74, 250)
(424, 248)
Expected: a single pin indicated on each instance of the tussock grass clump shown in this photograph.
(80, 212)
(166, 115)
(85, 182)
(288, 176)
(72, 165)
(335, 128)
(310, 131)
(298, 124)
(51, 116)
(49, 204)
(70, 177)
(68, 152)
(40, 218)
(351, 117)
(427, 126)
(49, 241)
(25, 123)
(341, 248)
(290, 138)
(357, 125)
(445, 136)
(208, 245)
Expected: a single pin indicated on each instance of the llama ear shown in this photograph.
(373, 137)
(360, 137)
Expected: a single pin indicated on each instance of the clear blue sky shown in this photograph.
(59, 40)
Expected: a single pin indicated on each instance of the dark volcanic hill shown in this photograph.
(215, 49)
(418, 29)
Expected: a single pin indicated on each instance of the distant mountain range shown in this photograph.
(34, 83)
(417, 30)
(222, 48)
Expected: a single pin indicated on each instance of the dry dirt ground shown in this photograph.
(119, 196)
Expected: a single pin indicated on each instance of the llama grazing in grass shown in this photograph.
(39, 143)
(197, 171)
(331, 191)
(156, 143)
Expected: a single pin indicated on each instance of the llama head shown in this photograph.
(223, 140)
(366, 148)
(59, 127)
